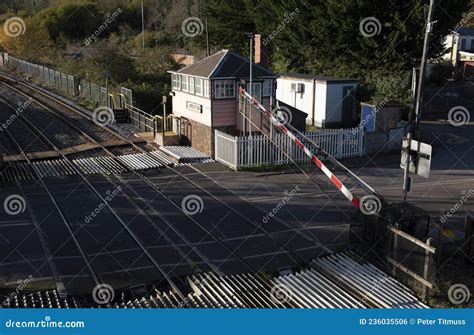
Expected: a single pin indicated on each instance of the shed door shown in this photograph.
(347, 106)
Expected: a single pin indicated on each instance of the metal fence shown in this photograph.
(412, 261)
(403, 248)
(141, 119)
(60, 81)
(68, 84)
(258, 150)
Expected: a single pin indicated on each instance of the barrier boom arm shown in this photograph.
(352, 198)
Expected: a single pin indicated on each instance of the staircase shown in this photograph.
(121, 115)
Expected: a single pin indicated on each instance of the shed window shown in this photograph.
(224, 88)
(198, 86)
(267, 88)
(175, 80)
(206, 87)
(184, 83)
(191, 84)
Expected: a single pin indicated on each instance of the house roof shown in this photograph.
(304, 76)
(225, 64)
(464, 31)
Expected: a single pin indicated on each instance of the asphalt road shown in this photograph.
(228, 234)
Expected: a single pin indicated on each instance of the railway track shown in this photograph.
(72, 233)
(206, 229)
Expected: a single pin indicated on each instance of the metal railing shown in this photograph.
(170, 123)
(67, 84)
(141, 119)
(412, 261)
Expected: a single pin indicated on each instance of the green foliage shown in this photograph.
(323, 37)
(319, 37)
(228, 21)
(34, 45)
(380, 87)
(440, 73)
(71, 21)
(152, 39)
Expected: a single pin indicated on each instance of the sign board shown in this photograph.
(192, 106)
(420, 157)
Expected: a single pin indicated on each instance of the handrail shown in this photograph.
(164, 120)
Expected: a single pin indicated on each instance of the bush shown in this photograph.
(441, 73)
(71, 21)
(382, 87)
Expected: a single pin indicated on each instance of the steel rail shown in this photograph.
(78, 244)
(103, 200)
(282, 245)
(146, 180)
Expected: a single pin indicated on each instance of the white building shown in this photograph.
(205, 97)
(327, 101)
(460, 40)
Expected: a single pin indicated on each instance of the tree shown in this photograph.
(71, 21)
(329, 41)
(34, 45)
(228, 21)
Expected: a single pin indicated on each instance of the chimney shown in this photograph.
(262, 51)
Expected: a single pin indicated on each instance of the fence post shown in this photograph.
(469, 237)
(426, 269)
(236, 152)
(395, 249)
(339, 143)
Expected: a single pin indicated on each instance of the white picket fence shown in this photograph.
(257, 150)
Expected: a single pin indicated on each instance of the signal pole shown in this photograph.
(415, 119)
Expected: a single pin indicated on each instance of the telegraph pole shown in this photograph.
(143, 29)
(415, 119)
(250, 35)
(208, 49)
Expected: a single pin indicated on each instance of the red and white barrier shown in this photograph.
(352, 198)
